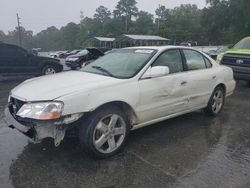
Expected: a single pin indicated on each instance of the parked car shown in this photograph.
(15, 60)
(57, 54)
(84, 57)
(68, 53)
(238, 58)
(214, 53)
(122, 91)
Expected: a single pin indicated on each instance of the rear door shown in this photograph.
(201, 78)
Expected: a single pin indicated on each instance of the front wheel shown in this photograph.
(49, 69)
(216, 102)
(104, 132)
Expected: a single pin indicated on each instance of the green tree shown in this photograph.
(144, 23)
(68, 36)
(2, 36)
(239, 11)
(126, 9)
(102, 14)
(48, 39)
(217, 22)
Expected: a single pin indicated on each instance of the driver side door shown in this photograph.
(165, 95)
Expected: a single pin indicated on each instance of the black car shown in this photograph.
(15, 61)
(84, 57)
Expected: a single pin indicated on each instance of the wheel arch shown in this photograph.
(48, 63)
(223, 86)
(125, 107)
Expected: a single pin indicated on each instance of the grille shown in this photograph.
(242, 60)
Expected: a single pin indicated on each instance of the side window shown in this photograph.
(208, 63)
(195, 60)
(20, 52)
(172, 59)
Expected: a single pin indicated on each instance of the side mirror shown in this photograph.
(156, 71)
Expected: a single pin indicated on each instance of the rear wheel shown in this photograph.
(49, 69)
(104, 132)
(216, 102)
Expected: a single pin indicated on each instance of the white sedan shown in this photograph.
(124, 90)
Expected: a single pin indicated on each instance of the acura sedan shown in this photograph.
(122, 91)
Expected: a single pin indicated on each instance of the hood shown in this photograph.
(238, 51)
(50, 87)
(42, 58)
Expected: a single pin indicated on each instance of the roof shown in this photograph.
(105, 39)
(153, 47)
(161, 48)
(141, 37)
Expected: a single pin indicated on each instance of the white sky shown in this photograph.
(37, 15)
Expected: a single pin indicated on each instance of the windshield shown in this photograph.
(243, 44)
(123, 63)
(83, 52)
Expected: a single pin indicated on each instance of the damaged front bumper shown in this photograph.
(38, 130)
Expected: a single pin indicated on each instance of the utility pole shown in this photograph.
(158, 21)
(19, 29)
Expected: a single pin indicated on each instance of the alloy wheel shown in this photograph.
(218, 100)
(109, 133)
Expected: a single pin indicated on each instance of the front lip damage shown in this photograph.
(38, 130)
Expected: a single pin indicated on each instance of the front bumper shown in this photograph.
(14, 124)
(72, 64)
(37, 131)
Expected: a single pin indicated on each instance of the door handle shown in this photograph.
(214, 77)
(183, 82)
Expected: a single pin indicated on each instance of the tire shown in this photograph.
(49, 69)
(103, 133)
(216, 102)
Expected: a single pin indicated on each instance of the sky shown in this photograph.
(37, 15)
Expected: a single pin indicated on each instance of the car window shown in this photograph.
(172, 59)
(208, 63)
(195, 60)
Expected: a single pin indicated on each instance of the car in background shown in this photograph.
(15, 61)
(122, 91)
(214, 53)
(68, 53)
(57, 54)
(238, 58)
(84, 57)
(189, 43)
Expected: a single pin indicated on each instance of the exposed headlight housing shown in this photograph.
(41, 110)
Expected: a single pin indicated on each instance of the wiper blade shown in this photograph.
(103, 70)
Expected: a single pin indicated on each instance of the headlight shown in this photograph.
(41, 111)
(73, 59)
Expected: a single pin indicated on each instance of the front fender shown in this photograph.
(87, 101)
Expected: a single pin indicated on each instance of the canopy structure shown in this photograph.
(103, 42)
(126, 40)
